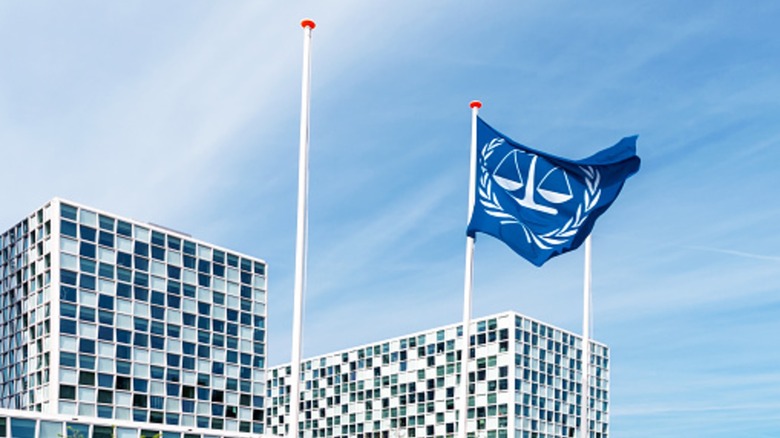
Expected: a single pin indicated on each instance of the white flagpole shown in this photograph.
(584, 422)
(468, 283)
(300, 242)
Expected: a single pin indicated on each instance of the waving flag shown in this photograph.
(541, 205)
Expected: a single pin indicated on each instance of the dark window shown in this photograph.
(123, 352)
(86, 346)
(141, 263)
(87, 265)
(68, 211)
(158, 328)
(124, 274)
(87, 250)
(158, 298)
(123, 383)
(87, 282)
(106, 317)
(141, 279)
(158, 312)
(105, 270)
(68, 228)
(106, 333)
(88, 233)
(68, 310)
(140, 385)
(86, 378)
(105, 397)
(67, 359)
(68, 293)
(158, 253)
(69, 277)
(174, 302)
(141, 293)
(141, 340)
(67, 392)
(106, 223)
(174, 243)
(106, 302)
(158, 238)
(141, 324)
(124, 259)
(141, 249)
(124, 228)
(189, 248)
(173, 361)
(87, 362)
(106, 239)
(157, 372)
(123, 336)
(105, 380)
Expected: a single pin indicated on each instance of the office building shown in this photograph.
(525, 382)
(130, 324)
(117, 328)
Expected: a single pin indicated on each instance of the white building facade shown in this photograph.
(112, 327)
(525, 381)
(109, 318)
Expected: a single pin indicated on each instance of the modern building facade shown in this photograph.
(525, 381)
(112, 327)
(109, 318)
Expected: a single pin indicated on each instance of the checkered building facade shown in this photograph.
(525, 381)
(111, 318)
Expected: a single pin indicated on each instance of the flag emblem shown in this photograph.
(541, 205)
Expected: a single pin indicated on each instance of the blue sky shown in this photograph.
(186, 114)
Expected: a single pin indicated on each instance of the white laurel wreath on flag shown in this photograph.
(558, 236)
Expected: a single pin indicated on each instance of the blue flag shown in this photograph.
(541, 205)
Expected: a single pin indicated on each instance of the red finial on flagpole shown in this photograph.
(475, 104)
(308, 23)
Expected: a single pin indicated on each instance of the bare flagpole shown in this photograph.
(302, 228)
(584, 421)
(468, 283)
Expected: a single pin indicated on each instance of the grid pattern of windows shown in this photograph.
(137, 322)
(25, 307)
(548, 374)
(26, 424)
(524, 380)
(402, 387)
(156, 327)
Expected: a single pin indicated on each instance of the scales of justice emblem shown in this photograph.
(554, 187)
(522, 176)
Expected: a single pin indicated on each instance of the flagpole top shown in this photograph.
(308, 23)
(475, 104)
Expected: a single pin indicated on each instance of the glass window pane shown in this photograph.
(51, 428)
